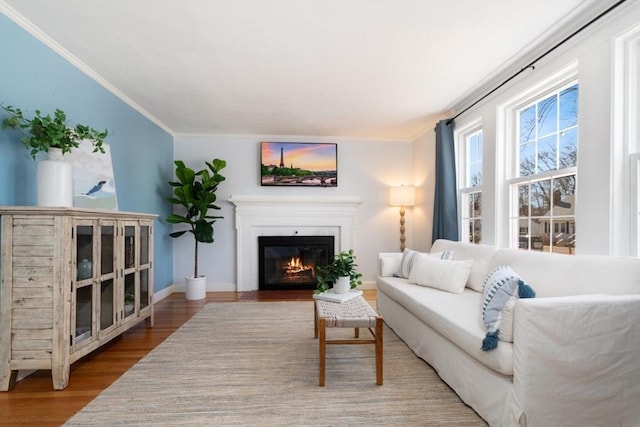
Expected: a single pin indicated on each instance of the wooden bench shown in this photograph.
(355, 313)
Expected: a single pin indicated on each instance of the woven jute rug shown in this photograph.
(256, 364)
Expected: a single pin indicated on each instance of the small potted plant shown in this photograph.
(54, 137)
(341, 272)
(196, 193)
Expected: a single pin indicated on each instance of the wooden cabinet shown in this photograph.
(71, 280)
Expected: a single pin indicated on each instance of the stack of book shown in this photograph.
(332, 296)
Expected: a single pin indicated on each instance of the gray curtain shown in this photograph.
(445, 206)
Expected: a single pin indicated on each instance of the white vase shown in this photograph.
(342, 285)
(195, 287)
(55, 180)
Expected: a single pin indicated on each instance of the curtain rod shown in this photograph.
(532, 63)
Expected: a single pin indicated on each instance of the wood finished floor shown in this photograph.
(34, 402)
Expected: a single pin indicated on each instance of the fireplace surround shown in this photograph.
(288, 215)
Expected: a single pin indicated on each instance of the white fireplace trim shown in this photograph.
(288, 216)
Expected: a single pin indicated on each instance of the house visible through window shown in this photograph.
(544, 189)
(470, 143)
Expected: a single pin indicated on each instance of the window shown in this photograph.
(470, 143)
(625, 148)
(544, 189)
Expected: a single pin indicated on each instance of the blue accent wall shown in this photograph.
(32, 76)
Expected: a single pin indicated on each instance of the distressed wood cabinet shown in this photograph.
(71, 280)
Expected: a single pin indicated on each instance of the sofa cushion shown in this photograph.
(456, 316)
(446, 275)
(554, 275)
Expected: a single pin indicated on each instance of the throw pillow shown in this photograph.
(446, 275)
(409, 258)
(389, 263)
(501, 285)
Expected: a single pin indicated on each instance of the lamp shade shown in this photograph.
(402, 196)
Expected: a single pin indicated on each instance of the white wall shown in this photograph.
(593, 51)
(365, 169)
(424, 175)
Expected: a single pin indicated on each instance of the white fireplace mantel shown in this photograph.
(289, 216)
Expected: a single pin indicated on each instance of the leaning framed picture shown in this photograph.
(305, 164)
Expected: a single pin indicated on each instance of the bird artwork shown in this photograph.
(95, 188)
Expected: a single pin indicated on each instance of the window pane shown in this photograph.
(475, 174)
(569, 107)
(527, 124)
(547, 116)
(477, 231)
(540, 198)
(523, 233)
(475, 148)
(523, 200)
(528, 159)
(564, 190)
(477, 205)
(470, 206)
(547, 154)
(568, 148)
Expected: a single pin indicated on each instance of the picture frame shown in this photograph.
(302, 164)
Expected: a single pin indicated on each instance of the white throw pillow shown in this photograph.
(446, 275)
(409, 258)
(389, 263)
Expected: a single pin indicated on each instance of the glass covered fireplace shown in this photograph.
(290, 262)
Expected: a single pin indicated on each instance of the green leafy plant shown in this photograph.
(196, 193)
(342, 265)
(45, 132)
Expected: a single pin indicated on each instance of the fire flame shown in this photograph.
(295, 265)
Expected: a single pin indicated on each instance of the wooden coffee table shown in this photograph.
(355, 313)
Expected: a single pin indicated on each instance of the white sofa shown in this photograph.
(575, 355)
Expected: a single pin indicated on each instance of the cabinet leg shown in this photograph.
(60, 377)
(8, 380)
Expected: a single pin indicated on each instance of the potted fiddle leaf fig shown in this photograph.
(341, 272)
(53, 136)
(195, 192)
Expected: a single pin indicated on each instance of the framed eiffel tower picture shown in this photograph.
(303, 164)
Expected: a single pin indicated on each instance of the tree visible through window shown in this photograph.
(545, 189)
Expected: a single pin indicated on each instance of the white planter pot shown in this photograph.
(195, 287)
(55, 180)
(342, 285)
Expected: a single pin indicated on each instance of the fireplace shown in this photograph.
(290, 262)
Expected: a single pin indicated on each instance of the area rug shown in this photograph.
(256, 364)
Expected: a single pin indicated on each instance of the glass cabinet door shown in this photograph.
(145, 238)
(130, 295)
(84, 252)
(129, 246)
(106, 275)
(83, 285)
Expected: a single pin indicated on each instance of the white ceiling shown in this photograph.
(358, 69)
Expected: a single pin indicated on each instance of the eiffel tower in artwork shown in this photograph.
(281, 157)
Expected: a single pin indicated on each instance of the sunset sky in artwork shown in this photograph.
(310, 156)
